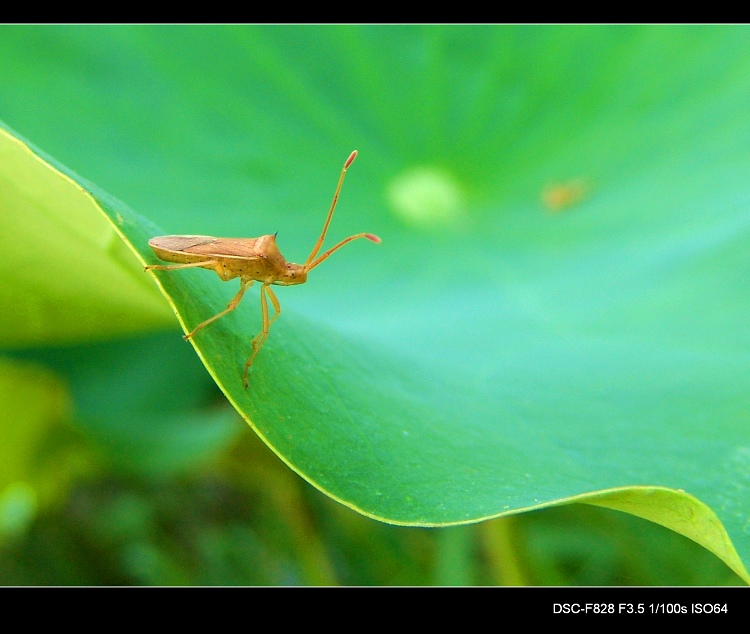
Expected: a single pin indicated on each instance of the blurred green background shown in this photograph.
(558, 307)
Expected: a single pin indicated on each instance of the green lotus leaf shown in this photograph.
(558, 310)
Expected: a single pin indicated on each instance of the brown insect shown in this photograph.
(250, 259)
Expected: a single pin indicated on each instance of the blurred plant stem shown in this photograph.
(454, 556)
(460, 549)
(313, 559)
(499, 542)
(270, 477)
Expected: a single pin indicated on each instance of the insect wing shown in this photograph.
(245, 248)
(178, 243)
(208, 246)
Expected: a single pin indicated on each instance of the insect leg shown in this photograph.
(275, 302)
(230, 307)
(174, 267)
(261, 337)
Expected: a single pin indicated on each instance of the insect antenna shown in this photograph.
(369, 236)
(311, 261)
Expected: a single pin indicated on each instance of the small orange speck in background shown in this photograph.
(559, 196)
